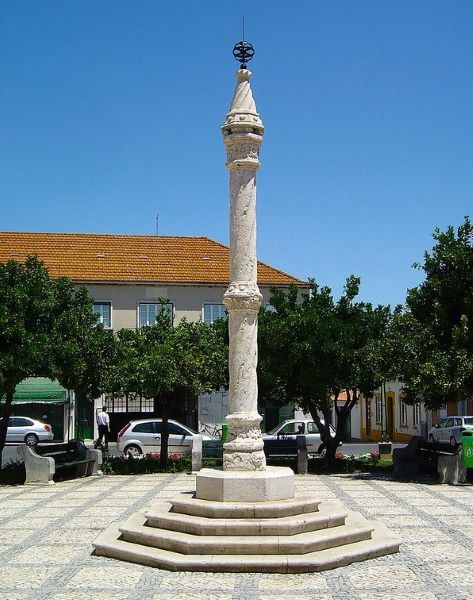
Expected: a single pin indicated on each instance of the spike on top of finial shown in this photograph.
(243, 52)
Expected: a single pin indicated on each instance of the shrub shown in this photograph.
(349, 464)
(126, 465)
(374, 456)
(149, 463)
(13, 473)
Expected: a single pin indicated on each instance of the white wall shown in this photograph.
(212, 409)
(188, 300)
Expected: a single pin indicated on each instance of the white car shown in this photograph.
(144, 436)
(449, 429)
(28, 431)
(290, 428)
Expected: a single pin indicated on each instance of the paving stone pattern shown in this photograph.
(46, 534)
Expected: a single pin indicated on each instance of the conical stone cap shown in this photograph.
(243, 111)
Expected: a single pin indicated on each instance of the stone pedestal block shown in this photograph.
(197, 453)
(451, 469)
(275, 483)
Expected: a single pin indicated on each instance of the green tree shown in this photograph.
(48, 329)
(123, 375)
(83, 350)
(170, 363)
(312, 351)
(26, 300)
(435, 332)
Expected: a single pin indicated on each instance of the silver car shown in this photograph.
(144, 436)
(449, 429)
(292, 427)
(28, 431)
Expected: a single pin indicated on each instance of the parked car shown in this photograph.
(449, 429)
(29, 431)
(144, 436)
(290, 429)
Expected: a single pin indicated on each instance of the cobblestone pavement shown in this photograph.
(46, 534)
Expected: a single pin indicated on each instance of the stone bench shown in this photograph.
(70, 459)
(287, 448)
(420, 457)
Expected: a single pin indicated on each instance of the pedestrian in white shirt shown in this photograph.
(103, 424)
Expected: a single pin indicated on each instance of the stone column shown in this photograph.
(242, 136)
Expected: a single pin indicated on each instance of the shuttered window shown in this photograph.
(149, 311)
(103, 310)
(212, 312)
(403, 413)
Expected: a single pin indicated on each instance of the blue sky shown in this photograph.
(110, 111)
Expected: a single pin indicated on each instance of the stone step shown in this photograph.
(328, 515)
(381, 543)
(301, 504)
(356, 529)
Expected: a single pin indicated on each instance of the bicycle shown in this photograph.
(213, 430)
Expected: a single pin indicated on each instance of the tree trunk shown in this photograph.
(334, 442)
(329, 443)
(163, 458)
(331, 449)
(6, 413)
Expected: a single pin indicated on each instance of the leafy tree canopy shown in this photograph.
(26, 302)
(312, 351)
(170, 363)
(46, 329)
(435, 333)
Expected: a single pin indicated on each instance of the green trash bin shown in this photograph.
(224, 432)
(467, 447)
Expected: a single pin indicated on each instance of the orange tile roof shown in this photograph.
(90, 257)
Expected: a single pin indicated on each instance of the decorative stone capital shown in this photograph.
(243, 151)
(243, 128)
(242, 421)
(243, 296)
(244, 449)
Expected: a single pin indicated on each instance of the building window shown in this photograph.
(103, 310)
(379, 410)
(212, 312)
(416, 414)
(132, 403)
(403, 413)
(148, 312)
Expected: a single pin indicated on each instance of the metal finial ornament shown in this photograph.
(243, 53)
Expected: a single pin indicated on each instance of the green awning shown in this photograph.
(39, 389)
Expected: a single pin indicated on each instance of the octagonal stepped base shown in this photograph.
(291, 536)
(298, 505)
(328, 515)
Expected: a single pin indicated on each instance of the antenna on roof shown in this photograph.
(157, 223)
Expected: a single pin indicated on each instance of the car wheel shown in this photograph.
(132, 450)
(31, 439)
(453, 441)
(431, 439)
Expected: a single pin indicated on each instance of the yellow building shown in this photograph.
(387, 415)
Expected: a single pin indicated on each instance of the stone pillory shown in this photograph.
(246, 516)
(243, 136)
